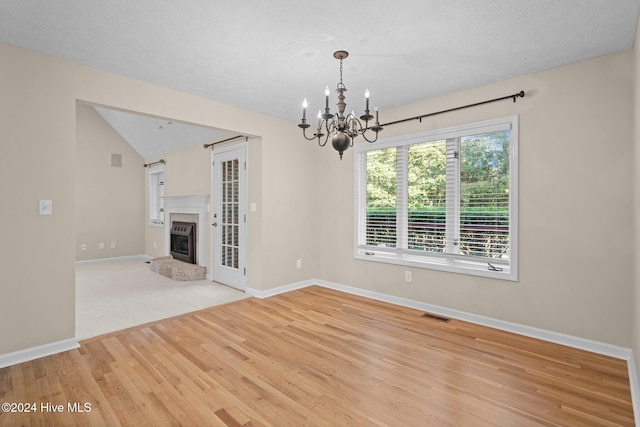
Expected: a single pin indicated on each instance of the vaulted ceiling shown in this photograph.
(152, 137)
(267, 55)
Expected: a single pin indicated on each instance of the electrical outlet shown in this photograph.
(113, 245)
(101, 245)
(408, 277)
(83, 247)
(298, 263)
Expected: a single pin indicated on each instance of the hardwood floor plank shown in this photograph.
(320, 357)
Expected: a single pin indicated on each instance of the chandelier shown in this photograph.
(342, 129)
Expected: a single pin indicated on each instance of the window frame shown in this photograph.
(156, 195)
(442, 261)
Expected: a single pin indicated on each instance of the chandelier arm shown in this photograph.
(326, 138)
(304, 133)
(367, 139)
(359, 130)
(319, 134)
(328, 129)
(353, 124)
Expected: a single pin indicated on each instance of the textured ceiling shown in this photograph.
(267, 55)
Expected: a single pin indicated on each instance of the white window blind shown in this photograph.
(156, 194)
(381, 190)
(443, 199)
(484, 195)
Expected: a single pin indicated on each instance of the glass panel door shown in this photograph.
(229, 216)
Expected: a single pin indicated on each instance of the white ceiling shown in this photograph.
(267, 55)
(152, 137)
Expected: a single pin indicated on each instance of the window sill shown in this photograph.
(451, 265)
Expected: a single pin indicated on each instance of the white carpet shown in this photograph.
(119, 294)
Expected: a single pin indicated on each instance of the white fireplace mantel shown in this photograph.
(188, 204)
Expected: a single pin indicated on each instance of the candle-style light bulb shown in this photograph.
(366, 97)
(304, 109)
(326, 97)
(319, 118)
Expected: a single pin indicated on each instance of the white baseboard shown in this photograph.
(115, 259)
(597, 347)
(610, 350)
(545, 335)
(33, 353)
(635, 388)
(281, 289)
(542, 334)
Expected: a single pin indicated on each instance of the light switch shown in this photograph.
(44, 207)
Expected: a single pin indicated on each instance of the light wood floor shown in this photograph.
(319, 357)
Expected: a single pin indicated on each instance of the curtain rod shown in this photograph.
(224, 140)
(154, 163)
(514, 96)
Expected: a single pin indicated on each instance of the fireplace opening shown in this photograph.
(183, 241)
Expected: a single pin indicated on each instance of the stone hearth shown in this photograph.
(177, 270)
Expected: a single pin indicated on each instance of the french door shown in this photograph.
(229, 216)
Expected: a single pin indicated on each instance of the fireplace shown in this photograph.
(183, 241)
(190, 208)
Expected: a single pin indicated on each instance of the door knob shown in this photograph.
(215, 224)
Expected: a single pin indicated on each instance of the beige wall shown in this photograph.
(38, 122)
(575, 149)
(186, 171)
(575, 211)
(285, 225)
(38, 162)
(110, 201)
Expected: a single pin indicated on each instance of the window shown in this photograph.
(443, 199)
(156, 193)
